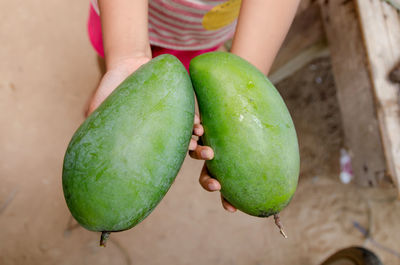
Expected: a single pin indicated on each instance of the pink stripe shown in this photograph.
(176, 38)
(177, 18)
(171, 26)
(172, 44)
(171, 38)
(174, 32)
(194, 5)
(171, 29)
(155, 15)
(175, 10)
(160, 20)
(175, 44)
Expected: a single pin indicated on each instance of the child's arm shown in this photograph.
(126, 43)
(126, 48)
(262, 27)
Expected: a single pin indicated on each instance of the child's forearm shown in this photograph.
(262, 27)
(125, 30)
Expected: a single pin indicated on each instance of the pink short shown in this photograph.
(94, 29)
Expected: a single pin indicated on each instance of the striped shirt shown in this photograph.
(190, 24)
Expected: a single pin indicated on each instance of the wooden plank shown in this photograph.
(306, 31)
(394, 3)
(299, 60)
(304, 4)
(354, 91)
(381, 31)
(394, 75)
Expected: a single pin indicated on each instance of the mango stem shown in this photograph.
(279, 225)
(103, 238)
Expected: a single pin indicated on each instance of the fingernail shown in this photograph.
(205, 154)
(212, 186)
(192, 145)
(232, 210)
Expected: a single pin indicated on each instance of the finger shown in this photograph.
(202, 153)
(196, 119)
(227, 206)
(198, 129)
(207, 182)
(192, 144)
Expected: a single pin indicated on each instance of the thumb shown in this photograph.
(107, 85)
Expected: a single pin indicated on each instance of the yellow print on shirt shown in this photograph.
(221, 15)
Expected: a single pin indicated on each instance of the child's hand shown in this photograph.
(119, 73)
(206, 153)
(112, 78)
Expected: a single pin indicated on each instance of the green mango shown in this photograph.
(249, 127)
(123, 159)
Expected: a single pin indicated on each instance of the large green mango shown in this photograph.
(250, 129)
(122, 160)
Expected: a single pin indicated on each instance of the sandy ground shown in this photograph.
(48, 71)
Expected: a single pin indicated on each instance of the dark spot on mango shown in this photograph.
(266, 213)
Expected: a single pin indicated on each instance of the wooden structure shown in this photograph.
(363, 40)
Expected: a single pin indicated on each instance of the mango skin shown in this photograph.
(250, 129)
(123, 159)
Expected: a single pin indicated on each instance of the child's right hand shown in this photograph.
(200, 152)
(114, 76)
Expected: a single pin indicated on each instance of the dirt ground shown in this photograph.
(48, 71)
